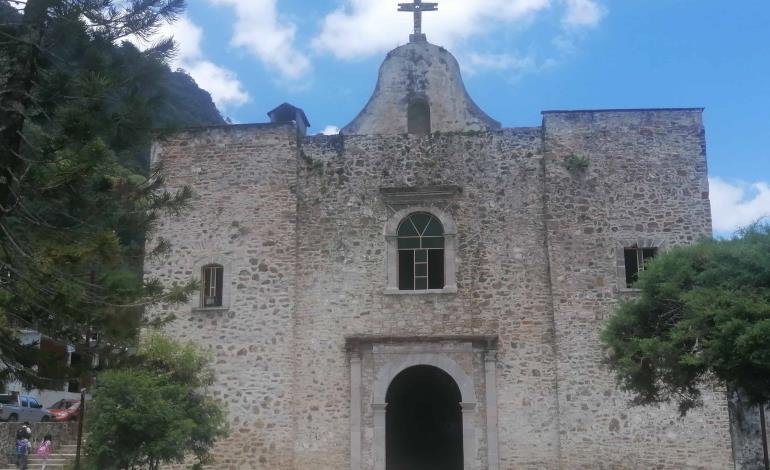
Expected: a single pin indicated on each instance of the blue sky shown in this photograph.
(519, 57)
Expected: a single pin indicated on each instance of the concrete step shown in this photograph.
(51, 461)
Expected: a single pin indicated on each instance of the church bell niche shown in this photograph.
(418, 117)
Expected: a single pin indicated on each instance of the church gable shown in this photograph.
(420, 90)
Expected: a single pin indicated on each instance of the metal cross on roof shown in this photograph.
(417, 7)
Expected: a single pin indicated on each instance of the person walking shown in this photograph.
(45, 449)
(22, 453)
(24, 431)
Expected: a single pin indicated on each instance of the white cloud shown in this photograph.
(225, 88)
(330, 130)
(477, 62)
(361, 28)
(259, 30)
(582, 13)
(735, 205)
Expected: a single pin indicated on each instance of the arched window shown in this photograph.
(418, 117)
(212, 286)
(420, 253)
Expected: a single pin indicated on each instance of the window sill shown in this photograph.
(209, 309)
(445, 290)
(630, 290)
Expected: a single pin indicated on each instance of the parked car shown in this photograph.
(65, 410)
(15, 407)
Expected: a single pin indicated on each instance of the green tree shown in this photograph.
(73, 109)
(703, 316)
(153, 409)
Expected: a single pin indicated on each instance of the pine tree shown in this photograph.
(73, 106)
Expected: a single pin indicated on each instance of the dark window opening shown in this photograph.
(420, 253)
(423, 421)
(436, 263)
(211, 296)
(418, 117)
(635, 260)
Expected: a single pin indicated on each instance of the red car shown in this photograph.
(65, 410)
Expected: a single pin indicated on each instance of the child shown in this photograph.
(22, 449)
(45, 449)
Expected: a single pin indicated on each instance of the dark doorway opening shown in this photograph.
(424, 427)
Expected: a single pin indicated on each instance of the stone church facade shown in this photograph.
(427, 262)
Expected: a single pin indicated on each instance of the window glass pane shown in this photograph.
(408, 243)
(433, 242)
(632, 266)
(406, 229)
(436, 269)
(406, 270)
(24, 401)
(219, 286)
(421, 255)
(420, 283)
(420, 269)
(434, 228)
(420, 221)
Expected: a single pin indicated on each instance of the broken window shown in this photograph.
(635, 259)
(211, 295)
(418, 117)
(420, 253)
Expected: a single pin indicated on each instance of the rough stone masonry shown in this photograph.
(312, 327)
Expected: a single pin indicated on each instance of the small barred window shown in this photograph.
(212, 288)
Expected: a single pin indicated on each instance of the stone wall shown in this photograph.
(746, 431)
(502, 281)
(243, 215)
(645, 181)
(300, 231)
(62, 433)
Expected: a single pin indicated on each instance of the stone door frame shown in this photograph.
(424, 352)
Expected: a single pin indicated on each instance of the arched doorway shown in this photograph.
(424, 425)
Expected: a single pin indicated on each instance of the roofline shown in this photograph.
(619, 110)
(257, 125)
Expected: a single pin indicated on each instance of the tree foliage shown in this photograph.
(703, 316)
(153, 410)
(77, 111)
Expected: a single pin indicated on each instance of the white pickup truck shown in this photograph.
(15, 407)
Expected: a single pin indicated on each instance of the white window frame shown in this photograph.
(391, 251)
(196, 300)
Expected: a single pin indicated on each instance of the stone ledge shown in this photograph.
(353, 341)
(445, 290)
(419, 194)
(209, 309)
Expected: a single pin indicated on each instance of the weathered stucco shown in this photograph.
(420, 71)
